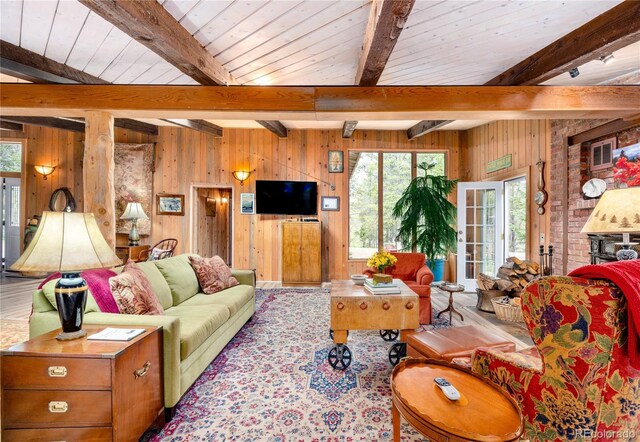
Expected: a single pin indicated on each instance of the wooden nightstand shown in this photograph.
(82, 390)
(129, 252)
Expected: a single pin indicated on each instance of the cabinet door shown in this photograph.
(310, 259)
(291, 252)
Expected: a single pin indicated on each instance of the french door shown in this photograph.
(480, 230)
(11, 235)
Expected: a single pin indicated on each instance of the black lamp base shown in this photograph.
(71, 299)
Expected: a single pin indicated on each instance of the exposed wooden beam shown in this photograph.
(274, 126)
(9, 125)
(325, 102)
(29, 66)
(608, 32)
(199, 125)
(348, 127)
(136, 126)
(151, 25)
(603, 130)
(56, 123)
(12, 134)
(386, 21)
(424, 127)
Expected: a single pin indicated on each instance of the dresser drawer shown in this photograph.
(51, 408)
(52, 373)
(101, 434)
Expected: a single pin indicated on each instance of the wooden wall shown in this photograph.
(186, 159)
(527, 141)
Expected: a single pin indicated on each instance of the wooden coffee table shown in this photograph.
(353, 308)
(483, 413)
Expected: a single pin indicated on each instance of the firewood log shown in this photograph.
(505, 285)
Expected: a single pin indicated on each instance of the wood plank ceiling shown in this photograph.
(305, 42)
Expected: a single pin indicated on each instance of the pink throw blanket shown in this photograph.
(626, 275)
(98, 284)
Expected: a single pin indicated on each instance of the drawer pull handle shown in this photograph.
(142, 371)
(409, 305)
(363, 306)
(340, 306)
(57, 371)
(58, 407)
(386, 306)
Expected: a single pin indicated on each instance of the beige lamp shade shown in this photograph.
(617, 211)
(67, 242)
(134, 211)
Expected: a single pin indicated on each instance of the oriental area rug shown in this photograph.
(273, 382)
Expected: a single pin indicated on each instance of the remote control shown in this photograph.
(449, 390)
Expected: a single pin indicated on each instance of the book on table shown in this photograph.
(382, 290)
(116, 334)
(370, 283)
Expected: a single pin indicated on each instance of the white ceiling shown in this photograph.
(317, 42)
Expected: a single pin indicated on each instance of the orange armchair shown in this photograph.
(411, 269)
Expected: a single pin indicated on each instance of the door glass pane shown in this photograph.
(396, 176)
(363, 204)
(515, 213)
(15, 206)
(434, 157)
(481, 234)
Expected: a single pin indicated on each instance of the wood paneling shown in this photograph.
(527, 141)
(213, 233)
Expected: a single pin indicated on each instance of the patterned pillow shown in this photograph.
(157, 254)
(213, 274)
(133, 293)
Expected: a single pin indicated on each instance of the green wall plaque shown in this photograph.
(500, 163)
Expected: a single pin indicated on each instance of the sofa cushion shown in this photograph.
(133, 292)
(234, 298)
(48, 290)
(212, 273)
(197, 323)
(180, 277)
(158, 283)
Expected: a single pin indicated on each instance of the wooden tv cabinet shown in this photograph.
(301, 253)
(82, 390)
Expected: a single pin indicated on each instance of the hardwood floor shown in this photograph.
(15, 296)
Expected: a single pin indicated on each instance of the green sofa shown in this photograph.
(196, 326)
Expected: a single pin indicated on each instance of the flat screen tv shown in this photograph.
(286, 197)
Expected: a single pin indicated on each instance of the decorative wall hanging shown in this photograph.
(330, 203)
(336, 161)
(133, 182)
(626, 166)
(62, 200)
(247, 203)
(169, 204)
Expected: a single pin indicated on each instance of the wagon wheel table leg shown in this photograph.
(397, 352)
(389, 335)
(339, 357)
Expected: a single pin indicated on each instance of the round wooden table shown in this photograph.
(451, 288)
(483, 413)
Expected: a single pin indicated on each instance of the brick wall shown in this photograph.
(569, 171)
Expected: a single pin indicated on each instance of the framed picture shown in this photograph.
(336, 161)
(167, 204)
(626, 166)
(210, 207)
(247, 204)
(330, 203)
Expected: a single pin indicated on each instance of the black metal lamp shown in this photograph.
(68, 243)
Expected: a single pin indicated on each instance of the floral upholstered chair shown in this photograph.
(411, 269)
(580, 384)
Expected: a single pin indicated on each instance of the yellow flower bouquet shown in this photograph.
(381, 260)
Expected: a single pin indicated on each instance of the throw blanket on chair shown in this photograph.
(626, 275)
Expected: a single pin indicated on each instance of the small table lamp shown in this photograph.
(67, 243)
(617, 211)
(134, 212)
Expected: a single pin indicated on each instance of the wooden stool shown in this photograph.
(458, 342)
(483, 412)
(451, 288)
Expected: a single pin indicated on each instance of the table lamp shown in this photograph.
(134, 212)
(617, 211)
(68, 243)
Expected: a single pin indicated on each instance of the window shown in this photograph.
(10, 157)
(601, 153)
(371, 199)
(515, 218)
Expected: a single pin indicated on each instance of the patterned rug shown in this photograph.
(273, 382)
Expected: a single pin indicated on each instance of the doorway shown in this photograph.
(212, 222)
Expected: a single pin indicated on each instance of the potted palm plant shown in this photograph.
(427, 217)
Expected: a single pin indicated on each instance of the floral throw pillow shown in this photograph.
(213, 274)
(133, 293)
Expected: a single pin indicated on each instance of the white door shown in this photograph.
(11, 221)
(480, 234)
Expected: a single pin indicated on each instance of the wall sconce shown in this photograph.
(224, 200)
(44, 170)
(241, 175)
